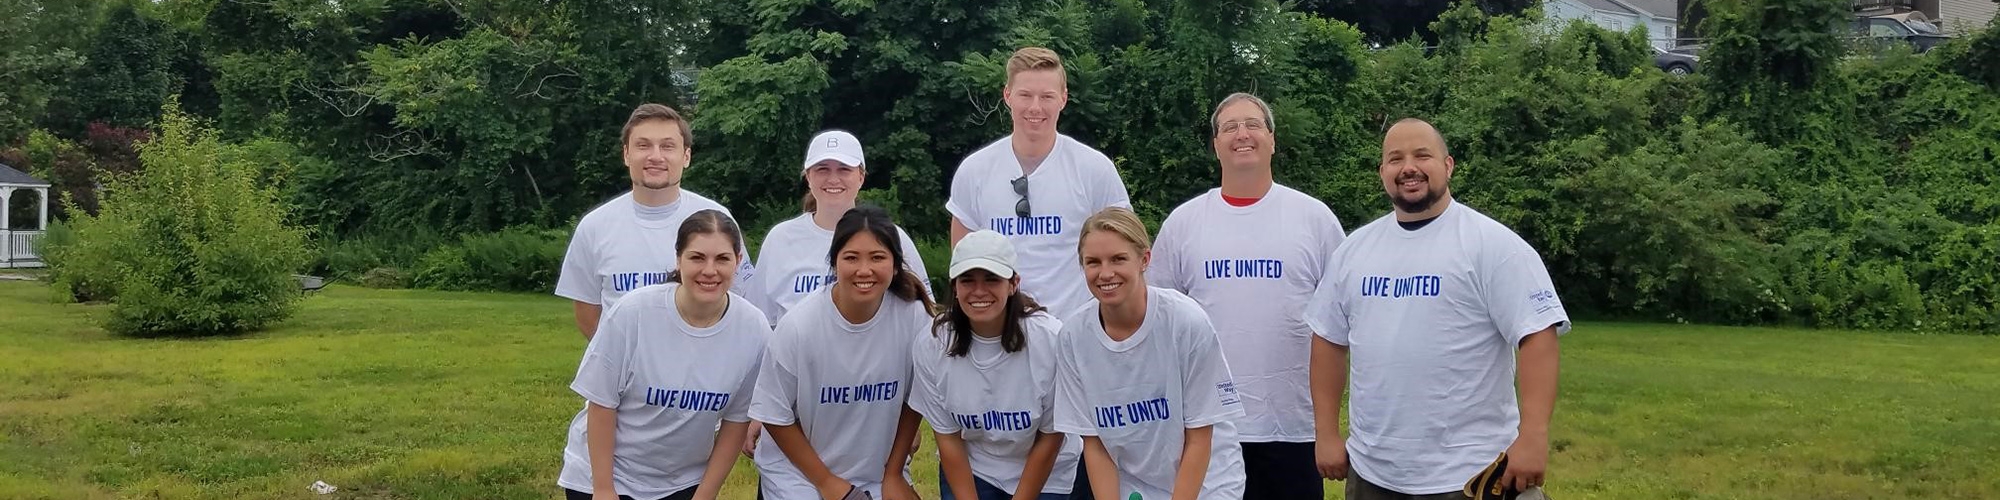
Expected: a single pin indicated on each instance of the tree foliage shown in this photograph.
(1793, 181)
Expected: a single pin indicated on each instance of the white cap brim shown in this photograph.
(990, 265)
(848, 160)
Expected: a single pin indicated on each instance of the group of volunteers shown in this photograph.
(1077, 356)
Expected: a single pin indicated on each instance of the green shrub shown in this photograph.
(350, 258)
(385, 277)
(190, 245)
(518, 259)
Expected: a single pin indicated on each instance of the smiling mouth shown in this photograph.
(864, 285)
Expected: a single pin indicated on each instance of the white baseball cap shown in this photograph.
(983, 249)
(836, 145)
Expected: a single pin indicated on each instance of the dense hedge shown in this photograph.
(1795, 180)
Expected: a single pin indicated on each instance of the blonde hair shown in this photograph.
(1034, 59)
(1120, 221)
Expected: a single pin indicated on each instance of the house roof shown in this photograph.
(1658, 8)
(1607, 6)
(8, 175)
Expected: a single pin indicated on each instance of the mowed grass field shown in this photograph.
(428, 395)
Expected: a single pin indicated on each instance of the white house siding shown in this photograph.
(1965, 15)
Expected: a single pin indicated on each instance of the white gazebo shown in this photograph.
(17, 247)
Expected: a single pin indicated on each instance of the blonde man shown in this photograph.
(1036, 186)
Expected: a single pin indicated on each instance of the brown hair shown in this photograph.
(1117, 220)
(651, 111)
(1013, 337)
(1034, 59)
(710, 221)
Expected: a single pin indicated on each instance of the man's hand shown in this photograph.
(604, 495)
(895, 488)
(833, 488)
(1331, 457)
(1527, 462)
(750, 445)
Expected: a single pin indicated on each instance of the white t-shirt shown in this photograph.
(998, 402)
(1141, 395)
(1431, 319)
(622, 245)
(1072, 184)
(1253, 269)
(843, 384)
(671, 383)
(793, 265)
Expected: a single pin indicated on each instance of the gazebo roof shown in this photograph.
(11, 177)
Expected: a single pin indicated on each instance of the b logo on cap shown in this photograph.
(833, 142)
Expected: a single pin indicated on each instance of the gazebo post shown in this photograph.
(42, 222)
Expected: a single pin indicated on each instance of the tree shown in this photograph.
(37, 48)
(132, 64)
(190, 245)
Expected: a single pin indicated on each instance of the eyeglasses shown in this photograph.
(1254, 124)
(1021, 208)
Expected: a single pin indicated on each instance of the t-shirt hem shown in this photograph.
(1208, 421)
(1241, 438)
(594, 397)
(1561, 325)
(770, 420)
(961, 215)
(1077, 430)
(580, 298)
(1446, 487)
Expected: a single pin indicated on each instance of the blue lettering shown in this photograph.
(1027, 226)
(1137, 412)
(807, 283)
(686, 399)
(1408, 286)
(1244, 268)
(864, 393)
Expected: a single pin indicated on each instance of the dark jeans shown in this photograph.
(1281, 470)
(687, 494)
(987, 491)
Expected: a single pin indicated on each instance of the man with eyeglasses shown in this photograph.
(1252, 252)
(1036, 186)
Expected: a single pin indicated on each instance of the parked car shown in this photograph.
(1908, 27)
(1680, 61)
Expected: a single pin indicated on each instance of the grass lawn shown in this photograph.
(413, 394)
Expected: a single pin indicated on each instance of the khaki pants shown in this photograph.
(1361, 489)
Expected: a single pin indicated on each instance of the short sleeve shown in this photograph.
(754, 289)
(1111, 187)
(1168, 269)
(1072, 413)
(738, 409)
(1520, 299)
(915, 259)
(606, 368)
(963, 203)
(1209, 388)
(927, 398)
(774, 399)
(1326, 312)
(1335, 235)
(1042, 330)
(578, 279)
